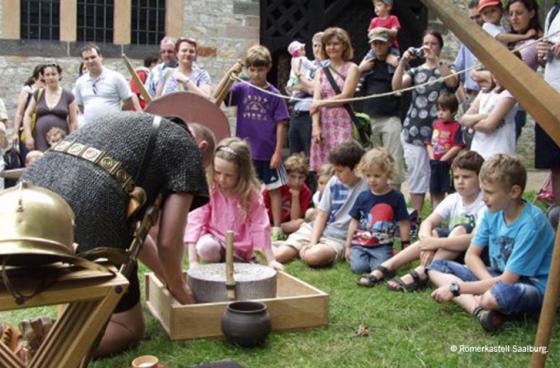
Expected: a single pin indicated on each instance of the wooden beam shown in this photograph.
(121, 20)
(542, 102)
(174, 18)
(11, 19)
(68, 20)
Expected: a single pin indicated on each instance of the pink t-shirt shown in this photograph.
(391, 22)
(222, 213)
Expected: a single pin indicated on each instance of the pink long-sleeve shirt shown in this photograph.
(223, 213)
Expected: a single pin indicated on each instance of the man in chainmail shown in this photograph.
(100, 202)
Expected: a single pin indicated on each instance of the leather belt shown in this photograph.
(99, 158)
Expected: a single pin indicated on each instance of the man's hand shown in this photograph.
(348, 254)
(183, 294)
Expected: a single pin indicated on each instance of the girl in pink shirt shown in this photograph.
(235, 204)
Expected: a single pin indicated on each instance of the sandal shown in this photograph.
(417, 283)
(490, 320)
(371, 281)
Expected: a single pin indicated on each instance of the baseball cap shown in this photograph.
(483, 4)
(379, 36)
(294, 47)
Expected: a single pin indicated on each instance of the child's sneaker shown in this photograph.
(277, 234)
(490, 320)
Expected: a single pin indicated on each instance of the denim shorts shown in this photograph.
(367, 259)
(514, 299)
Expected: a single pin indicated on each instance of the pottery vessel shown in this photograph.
(246, 323)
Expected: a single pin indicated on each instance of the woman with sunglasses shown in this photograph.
(187, 77)
(54, 107)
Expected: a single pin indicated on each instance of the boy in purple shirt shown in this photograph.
(261, 120)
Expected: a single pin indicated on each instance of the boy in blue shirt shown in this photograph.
(520, 242)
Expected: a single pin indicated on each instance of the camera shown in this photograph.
(417, 52)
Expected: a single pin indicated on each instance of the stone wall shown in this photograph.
(224, 29)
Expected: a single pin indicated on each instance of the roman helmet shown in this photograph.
(36, 227)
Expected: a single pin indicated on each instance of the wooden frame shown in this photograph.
(298, 305)
(92, 297)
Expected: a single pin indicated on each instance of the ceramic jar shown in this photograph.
(246, 323)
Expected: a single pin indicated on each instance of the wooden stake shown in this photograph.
(230, 281)
(542, 102)
(137, 80)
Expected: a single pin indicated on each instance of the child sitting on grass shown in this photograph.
(296, 195)
(445, 234)
(321, 242)
(375, 214)
(519, 240)
(325, 174)
(235, 204)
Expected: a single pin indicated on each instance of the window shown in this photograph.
(147, 22)
(95, 21)
(40, 19)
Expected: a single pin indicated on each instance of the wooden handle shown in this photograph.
(227, 81)
(230, 281)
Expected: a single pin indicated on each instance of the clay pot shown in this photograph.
(246, 323)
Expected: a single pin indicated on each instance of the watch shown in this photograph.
(455, 289)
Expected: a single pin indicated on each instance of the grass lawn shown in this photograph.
(406, 330)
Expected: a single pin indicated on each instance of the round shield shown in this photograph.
(192, 108)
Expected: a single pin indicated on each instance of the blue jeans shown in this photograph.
(300, 132)
(513, 299)
(367, 259)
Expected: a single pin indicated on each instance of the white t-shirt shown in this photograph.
(101, 95)
(494, 30)
(501, 140)
(454, 212)
(552, 69)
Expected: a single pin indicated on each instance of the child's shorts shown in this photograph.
(301, 238)
(514, 299)
(440, 177)
(271, 178)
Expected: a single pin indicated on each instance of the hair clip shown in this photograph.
(228, 150)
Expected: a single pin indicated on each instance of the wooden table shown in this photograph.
(91, 296)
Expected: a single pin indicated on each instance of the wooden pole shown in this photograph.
(230, 281)
(137, 80)
(542, 102)
(225, 84)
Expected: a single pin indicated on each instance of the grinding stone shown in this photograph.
(252, 281)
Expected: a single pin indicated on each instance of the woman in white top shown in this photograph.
(492, 117)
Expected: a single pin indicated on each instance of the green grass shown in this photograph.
(406, 330)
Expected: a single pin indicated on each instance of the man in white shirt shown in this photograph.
(101, 90)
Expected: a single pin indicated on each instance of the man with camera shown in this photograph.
(384, 112)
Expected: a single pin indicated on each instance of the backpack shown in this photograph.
(12, 160)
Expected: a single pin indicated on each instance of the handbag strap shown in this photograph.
(337, 90)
